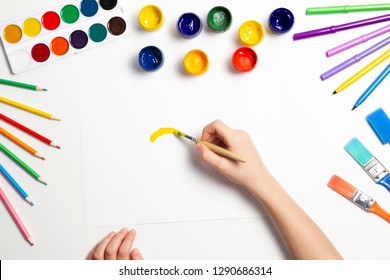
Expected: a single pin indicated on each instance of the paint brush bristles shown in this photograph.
(357, 197)
(217, 149)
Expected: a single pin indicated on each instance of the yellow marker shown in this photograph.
(217, 149)
(28, 108)
(251, 33)
(363, 71)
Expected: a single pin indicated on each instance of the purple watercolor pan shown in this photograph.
(60, 30)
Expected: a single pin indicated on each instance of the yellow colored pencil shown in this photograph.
(20, 143)
(28, 108)
(363, 71)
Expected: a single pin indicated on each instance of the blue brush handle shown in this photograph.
(385, 181)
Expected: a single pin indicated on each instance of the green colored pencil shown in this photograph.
(21, 85)
(22, 164)
(347, 9)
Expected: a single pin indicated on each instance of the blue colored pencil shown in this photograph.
(372, 87)
(16, 185)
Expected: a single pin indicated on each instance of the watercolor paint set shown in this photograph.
(60, 30)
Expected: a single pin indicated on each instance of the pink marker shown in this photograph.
(358, 40)
(15, 216)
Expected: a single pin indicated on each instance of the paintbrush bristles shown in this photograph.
(341, 186)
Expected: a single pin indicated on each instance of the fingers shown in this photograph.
(98, 253)
(136, 255)
(116, 246)
(125, 247)
(208, 156)
(216, 130)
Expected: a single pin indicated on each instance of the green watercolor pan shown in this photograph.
(60, 30)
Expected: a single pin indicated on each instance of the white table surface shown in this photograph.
(315, 126)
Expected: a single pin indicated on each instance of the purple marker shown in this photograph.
(358, 40)
(342, 27)
(356, 58)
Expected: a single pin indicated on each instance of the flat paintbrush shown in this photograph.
(357, 197)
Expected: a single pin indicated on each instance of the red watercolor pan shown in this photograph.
(61, 30)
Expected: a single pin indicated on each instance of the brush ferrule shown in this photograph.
(191, 138)
(375, 169)
(362, 200)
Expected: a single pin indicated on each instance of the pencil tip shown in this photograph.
(44, 89)
(334, 92)
(58, 147)
(31, 203)
(354, 107)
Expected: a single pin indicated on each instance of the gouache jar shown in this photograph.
(244, 59)
(189, 25)
(281, 20)
(251, 33)
(196, 62)
(150, 58)
(219, 19)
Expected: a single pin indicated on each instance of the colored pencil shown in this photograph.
(28, 131)
(363, 71)
(21, 85)
(17, 187)
(355, 59)
(347, 9)
(341, 27)
(359, 40)
(372, 87)
(28, 108)
(20, 143)
(15, 217)
(22, 164)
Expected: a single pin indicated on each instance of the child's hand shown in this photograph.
(249, 174)
(116, 246)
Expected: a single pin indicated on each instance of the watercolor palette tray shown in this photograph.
(61, 30)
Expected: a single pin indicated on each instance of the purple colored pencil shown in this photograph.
(358, 40)
(354, 59)
(341, 27)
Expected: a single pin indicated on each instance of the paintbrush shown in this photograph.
(357, 197)
(368, 162)
(217, 149)
(380, 123)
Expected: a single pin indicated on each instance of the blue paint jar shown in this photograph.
(281, 20)
(150, 58)
(189, 25)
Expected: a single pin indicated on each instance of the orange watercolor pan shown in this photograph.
(60, 30)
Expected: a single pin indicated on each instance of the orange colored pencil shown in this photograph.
(20, 143)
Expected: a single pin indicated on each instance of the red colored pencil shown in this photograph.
(29, 131)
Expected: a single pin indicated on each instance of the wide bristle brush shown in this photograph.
(380, 123)
(368, 162)
(357, 197)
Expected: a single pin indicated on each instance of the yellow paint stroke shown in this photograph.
(162, 131)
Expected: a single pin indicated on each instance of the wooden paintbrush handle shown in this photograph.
(221, 151)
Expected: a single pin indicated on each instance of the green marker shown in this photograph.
(347, 9)
(22, 164)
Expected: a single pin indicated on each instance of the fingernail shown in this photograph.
(123, 230)
(132, 231)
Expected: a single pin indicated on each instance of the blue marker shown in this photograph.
(372, 87)
(15, 185)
